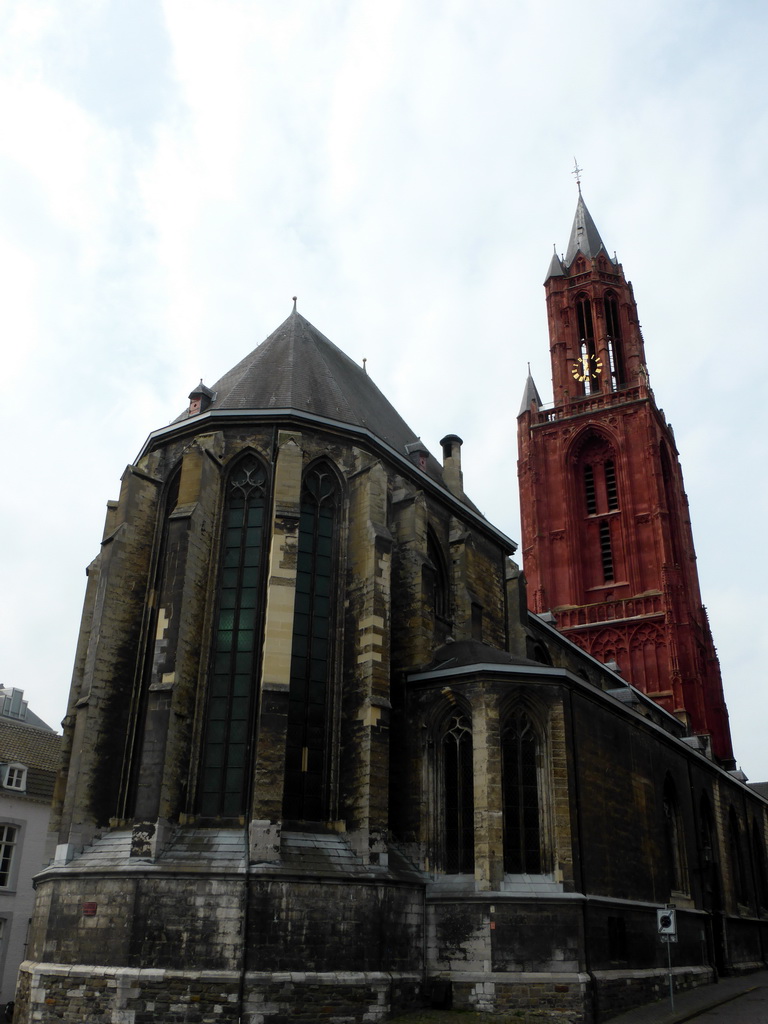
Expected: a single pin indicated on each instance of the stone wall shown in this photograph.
(99, 995)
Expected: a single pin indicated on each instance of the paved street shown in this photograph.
(738, 1000)
(751, 1008)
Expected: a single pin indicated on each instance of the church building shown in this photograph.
(328, 756)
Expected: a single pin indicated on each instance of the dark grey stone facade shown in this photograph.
(422, 793)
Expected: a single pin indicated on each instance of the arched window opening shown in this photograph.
(537, 651)
(159, 657)
(458, 795)
(236, 644)
(706, 832)
(305, 797)
(521, 795)
(438, 586)
(596, 477)
(587, 351)
(614, 343)
(736, 858)
(674, 839)
(599, 479)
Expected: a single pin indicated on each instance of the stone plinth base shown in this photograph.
(75, 993)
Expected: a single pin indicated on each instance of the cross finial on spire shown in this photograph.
(294, 303)
(576, 172)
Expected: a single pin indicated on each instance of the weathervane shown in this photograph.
(576, 172)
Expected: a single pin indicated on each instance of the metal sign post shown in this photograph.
(666, 924)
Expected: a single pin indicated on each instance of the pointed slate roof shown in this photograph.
(531, 394)
(584, 235)
(555, 268)
(298, 368)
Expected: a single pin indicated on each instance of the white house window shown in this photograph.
(8, 837)
(15, 777)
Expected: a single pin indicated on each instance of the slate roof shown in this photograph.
(223, 851)
(38, 750)
(463, 653)
(531, 394)
(555, 268)
(584, 235)
(298, 368)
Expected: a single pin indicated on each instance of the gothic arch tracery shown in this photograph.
(452, 789)
(229, 735)
(526, 787)
(310, 741)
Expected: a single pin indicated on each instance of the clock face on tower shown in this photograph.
(586, 367)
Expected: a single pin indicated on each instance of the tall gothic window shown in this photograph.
(521, 795)
(613, 342)
(161, 654)
(458, 798)
(310, 696)
(437, 587)
(229, 727)
(736, 858)
(674, 839)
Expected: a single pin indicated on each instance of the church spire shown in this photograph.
(607, 543)
(585, 237)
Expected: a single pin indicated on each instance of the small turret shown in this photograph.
(200, 398)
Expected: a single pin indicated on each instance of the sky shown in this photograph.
(172, 173)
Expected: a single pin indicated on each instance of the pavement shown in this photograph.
(731, 1000)
(737, 1000)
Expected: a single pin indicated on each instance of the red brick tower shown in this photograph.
(607, 542)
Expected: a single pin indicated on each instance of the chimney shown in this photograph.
(452, 474)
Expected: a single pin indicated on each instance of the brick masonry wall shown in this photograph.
(49, 994)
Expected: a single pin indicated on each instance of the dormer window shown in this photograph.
(15, 777)
(199, 399)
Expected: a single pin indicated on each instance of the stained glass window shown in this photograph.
(236, 644)
(522, 815)
(310, 698)
(458, 795)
